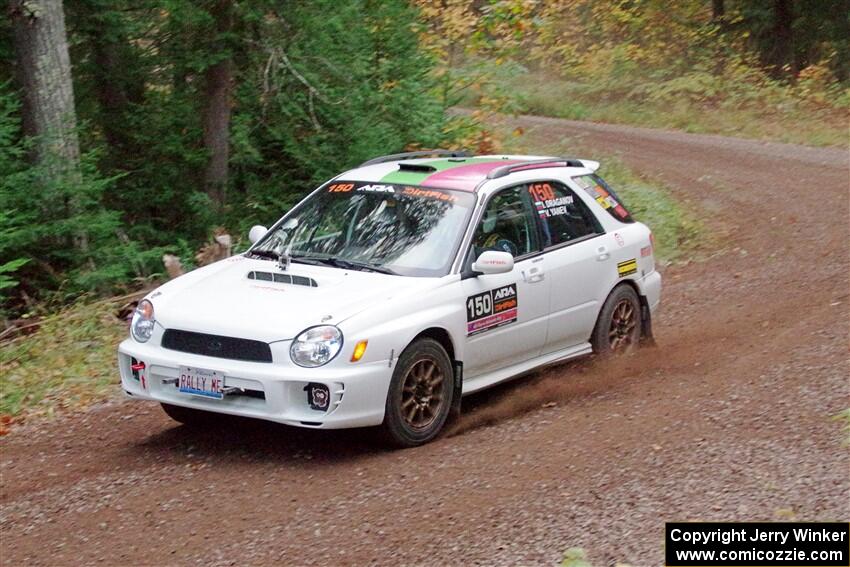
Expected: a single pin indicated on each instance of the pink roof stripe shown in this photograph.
(464, 177)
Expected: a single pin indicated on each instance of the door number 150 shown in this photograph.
(479, 306)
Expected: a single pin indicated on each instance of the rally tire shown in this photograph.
(420, 395)
(618, 328)
(187, 416)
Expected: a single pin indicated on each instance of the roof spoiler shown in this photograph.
(417, 154)
(590, 164)
(541, 163)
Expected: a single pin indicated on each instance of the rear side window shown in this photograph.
(563, 216)
(605, 196)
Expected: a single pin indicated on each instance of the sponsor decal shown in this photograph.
(621, 212)
(428, 194)
(318, 396)
(340, 187)
(490, 309)
(604, 198)
(627, 268)
(646, 251)
(407, 191)
(377, 188)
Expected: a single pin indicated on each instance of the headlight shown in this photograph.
(141, 327)
(316, 346)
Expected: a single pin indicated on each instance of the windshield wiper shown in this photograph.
(364, 266)
(311, 260)
(344, 264)
(268, 254)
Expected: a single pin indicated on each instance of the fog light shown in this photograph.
(359, 351)
(318, 396)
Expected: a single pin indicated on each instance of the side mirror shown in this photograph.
(493, 262)
(256, 233)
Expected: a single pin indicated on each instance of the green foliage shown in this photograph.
(56, 235)
(674, 65)
(10, 268)
(338, 83)
(317, 87)
(320, 86)
(753, 106)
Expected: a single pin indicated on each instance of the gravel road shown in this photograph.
(729, 418)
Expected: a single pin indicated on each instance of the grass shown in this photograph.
(70, 361)
(782, 120)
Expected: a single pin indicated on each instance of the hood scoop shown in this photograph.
(282, 278)
(417, 167)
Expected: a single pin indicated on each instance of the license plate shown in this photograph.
(200, 382)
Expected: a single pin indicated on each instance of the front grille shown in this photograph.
(216, 345)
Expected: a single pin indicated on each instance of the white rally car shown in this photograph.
(396, 288)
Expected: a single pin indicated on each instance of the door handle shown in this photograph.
(602, 253)
(533, 274)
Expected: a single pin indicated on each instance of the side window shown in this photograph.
(605, 196)
(507, 225)
(563, 215)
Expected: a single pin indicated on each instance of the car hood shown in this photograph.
(221, 299)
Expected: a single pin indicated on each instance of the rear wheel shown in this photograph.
(187, 416)
(420, 394)
(618, 328)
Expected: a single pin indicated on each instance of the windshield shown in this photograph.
(399, 229)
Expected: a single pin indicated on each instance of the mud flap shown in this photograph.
(457, 390)
(646, 337)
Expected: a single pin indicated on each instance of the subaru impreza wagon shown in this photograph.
(396, 288)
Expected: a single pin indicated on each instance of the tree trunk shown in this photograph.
(783, 37)
(44, 70)
(718, 17)
(218, 79)
(718, 11)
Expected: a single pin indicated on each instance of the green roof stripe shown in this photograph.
(417, 178)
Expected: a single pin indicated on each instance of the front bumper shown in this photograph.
(270, 391)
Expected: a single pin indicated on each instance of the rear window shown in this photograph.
(605, 196)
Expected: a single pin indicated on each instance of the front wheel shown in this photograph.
(618, 328)
(420, 394)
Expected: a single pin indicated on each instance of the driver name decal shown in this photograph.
(490, 309)
(547, 203)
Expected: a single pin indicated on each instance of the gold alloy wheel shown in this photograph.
(422, 395)
(623, 323)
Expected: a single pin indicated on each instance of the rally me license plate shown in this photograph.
(201, 382)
